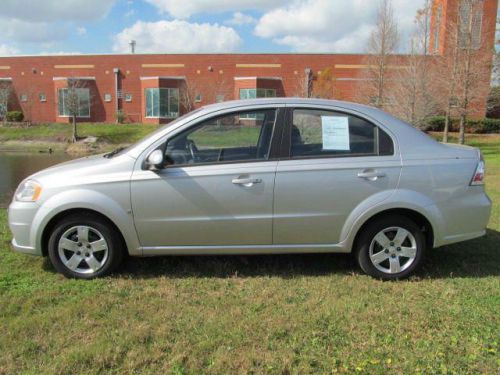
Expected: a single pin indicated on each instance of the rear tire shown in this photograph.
(85, 246)
(390, 248)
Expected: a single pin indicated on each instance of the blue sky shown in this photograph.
(175, 26)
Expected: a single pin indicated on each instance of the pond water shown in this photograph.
(16, 166)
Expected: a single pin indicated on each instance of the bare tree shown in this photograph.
(468, 64)
(207, 90)
(302, 87)
(73, 102)
(415, 89)
(382, 44)
(187, 94)
(27, 105)
(5, 93)
(324, 85)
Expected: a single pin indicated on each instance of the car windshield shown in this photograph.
(122, 150)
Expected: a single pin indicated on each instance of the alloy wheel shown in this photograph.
(83, 249)
(393, 250)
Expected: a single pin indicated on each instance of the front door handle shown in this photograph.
(370, 174)
(246, 181)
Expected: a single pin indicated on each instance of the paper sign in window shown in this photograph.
(335, 133)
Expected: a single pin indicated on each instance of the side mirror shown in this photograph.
(155, 160)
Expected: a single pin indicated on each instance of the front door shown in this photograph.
(217, 186)
(335, 162)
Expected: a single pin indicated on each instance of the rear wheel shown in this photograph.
(85, 246)
(390, 248)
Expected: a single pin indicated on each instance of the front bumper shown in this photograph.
(21, 215)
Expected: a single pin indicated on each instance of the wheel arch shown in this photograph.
(422, 221)
(47, 230)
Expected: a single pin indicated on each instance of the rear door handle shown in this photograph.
(247, 181)
(371, 175)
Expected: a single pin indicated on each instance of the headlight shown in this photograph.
(28, 191)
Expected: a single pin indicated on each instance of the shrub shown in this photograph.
(480, 126)
(121, 117)
(14, 116)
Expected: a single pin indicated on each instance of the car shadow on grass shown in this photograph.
(475, 258)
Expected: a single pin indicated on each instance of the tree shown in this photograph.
(73, 102)
(208, 89)
(468, 64)
(27, 106)
(303, 84)
(382, 44)
(415, 89)
(5, 93)
(324, 86)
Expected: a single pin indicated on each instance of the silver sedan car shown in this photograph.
(258, 177)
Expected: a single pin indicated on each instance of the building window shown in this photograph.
(471, 20)
(437, 27)
(74, 102)
(42, 97)
(107, 97)
(219, 98)
(162, 102)
(257, 93)
(24, 97)
(197, 98)
(128, 97)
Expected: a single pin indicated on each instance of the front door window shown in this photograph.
(229, 138)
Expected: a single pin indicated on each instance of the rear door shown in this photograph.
(334, 160)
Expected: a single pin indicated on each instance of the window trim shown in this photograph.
(274, 147)
(286, 145)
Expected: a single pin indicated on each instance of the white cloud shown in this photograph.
(56, 10)
(331, 25)
(32, 32)
(177, 37)
(239, 19)
(81, 31)
(186, 8)
(7, 50)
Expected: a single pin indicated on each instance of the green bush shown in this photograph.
(121, 117)
(480, 126)
(14, 116)
(483, 126)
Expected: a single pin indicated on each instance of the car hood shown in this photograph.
(87, 170)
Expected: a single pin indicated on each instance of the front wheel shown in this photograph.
(390, 248)
(85, 246)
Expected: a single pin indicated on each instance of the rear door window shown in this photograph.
(319, 133)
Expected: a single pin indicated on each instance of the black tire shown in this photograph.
(364, 241)
(115, 248)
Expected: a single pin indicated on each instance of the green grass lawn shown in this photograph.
(288, 314)
(110, 133)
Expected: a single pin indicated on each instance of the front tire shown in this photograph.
(390, 248)
(85, 246)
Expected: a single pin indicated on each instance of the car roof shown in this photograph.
(288, 101)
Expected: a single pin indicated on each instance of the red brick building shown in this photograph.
(157, 88)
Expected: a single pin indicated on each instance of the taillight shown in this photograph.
(478, 178)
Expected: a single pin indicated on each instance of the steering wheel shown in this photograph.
(193, 150)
